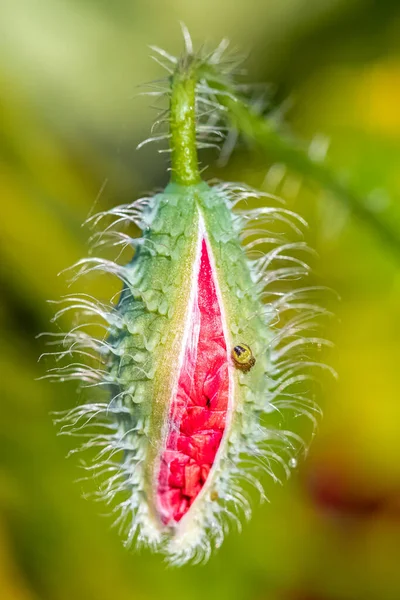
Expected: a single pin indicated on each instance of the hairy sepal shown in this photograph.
(142, 354)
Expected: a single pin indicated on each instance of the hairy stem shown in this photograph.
(184, 164)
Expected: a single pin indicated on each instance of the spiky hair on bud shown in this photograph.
(203, 345)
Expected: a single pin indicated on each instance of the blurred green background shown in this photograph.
(70, 122)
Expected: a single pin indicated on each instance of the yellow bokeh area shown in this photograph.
(71, 116)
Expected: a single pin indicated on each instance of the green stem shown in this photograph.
(288, 151)
(184, 163)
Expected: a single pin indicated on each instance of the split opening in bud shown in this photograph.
(198, 411)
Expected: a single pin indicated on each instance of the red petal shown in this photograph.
(197, 414)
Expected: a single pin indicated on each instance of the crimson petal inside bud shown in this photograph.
(197, 415)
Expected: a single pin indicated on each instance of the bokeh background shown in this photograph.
(70, 121)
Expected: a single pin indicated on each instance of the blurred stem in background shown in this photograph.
(278, 147)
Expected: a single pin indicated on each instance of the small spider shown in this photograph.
(243, 358)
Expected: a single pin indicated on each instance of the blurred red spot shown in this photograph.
(336, 492)
(302, 595)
